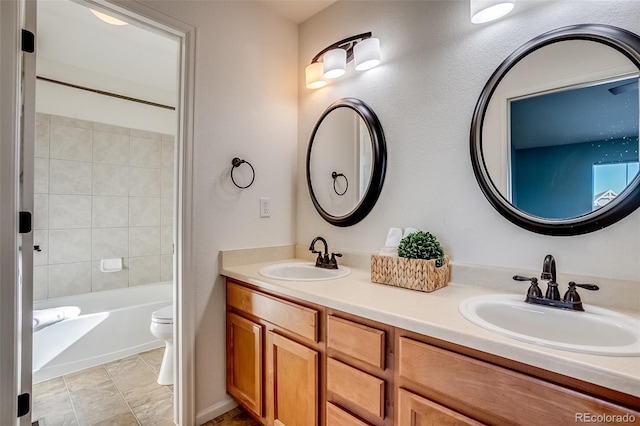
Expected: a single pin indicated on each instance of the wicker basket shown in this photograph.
(414, 274)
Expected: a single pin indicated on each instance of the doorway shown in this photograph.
(67, 131)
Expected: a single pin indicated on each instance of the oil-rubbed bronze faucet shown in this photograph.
(549, 274)
(324, 261)
(571, 299)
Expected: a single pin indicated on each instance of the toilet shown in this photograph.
(162, 328)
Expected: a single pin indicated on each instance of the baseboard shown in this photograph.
(215, 410)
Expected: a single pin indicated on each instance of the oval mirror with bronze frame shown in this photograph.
(346, 162)
(554, 123)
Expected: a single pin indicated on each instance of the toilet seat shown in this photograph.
(163, 315)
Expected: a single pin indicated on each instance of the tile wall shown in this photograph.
(101, 191)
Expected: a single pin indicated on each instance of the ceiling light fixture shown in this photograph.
(108, 19)
(483, 11)
(331, 62)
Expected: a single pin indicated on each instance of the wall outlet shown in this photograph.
(265, 207)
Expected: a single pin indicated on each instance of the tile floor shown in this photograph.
(119, 393)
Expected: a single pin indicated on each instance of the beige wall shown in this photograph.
(245, 106)
(435, 64)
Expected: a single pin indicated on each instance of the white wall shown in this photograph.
(60, 100)
(435, 64)
(245, 106)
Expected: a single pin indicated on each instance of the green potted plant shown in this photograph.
(420, 265)
(421, 245)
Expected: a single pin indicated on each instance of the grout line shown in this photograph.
(122, 395)
(146, 363)
(73, 407)
(68, 393)
(153, 370)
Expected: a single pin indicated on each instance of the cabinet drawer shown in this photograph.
(362, 389)
(338, 417)
(413, 410)
(356, 340)
(494, 394)
(290, 316)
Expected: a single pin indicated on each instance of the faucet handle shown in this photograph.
(521, 278)
(591, 287)
(572, 296)
(534, 290)
(333, 263)
(319, 258)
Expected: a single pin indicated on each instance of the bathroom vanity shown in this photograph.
(349, 352)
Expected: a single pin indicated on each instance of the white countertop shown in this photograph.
(436, 314)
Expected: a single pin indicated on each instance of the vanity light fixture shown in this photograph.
(366, 54)
(313, 76)
(108, 19)
(483, 11)
(334, 64)
(331, 62)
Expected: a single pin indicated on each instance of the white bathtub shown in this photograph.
(112, 324)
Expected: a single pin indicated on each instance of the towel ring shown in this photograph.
(335, 177)
(237, 162)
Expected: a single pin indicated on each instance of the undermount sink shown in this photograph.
(594, 331)
(302, 271)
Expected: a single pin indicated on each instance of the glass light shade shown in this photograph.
(488, 10)
(313, 76)
(335, 63)
(108, 19)
(366, 54)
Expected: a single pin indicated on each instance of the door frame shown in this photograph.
(184, 295)
(11, 21)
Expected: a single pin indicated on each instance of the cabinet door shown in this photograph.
(244, 362)
(293, 382)
(414, 410)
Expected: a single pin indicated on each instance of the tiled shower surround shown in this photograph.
(101, 191)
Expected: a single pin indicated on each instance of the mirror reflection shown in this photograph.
(573, 150)
(340, 161)
(560, 135)
(346, 162)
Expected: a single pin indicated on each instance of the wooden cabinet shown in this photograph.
(273, 357)
(359, 384)
(338, 417)
(293, 382)
(292, 363)
(356, 340)
(282, 314)
(244, 362)
(486, 392)
(359, 388)
(413, 410)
